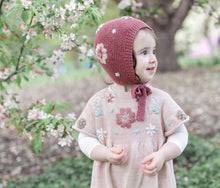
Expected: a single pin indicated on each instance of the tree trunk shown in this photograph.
(166, 55)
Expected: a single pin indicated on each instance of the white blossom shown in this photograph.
(32, 114)
(124, 3)
(90, 53)
(58, 116)
(49, 127)
(60, 129)
(75, 25)
(27, 134)
(66, 42)
(62, 142)
(83, 49)
(72, 116)
(71, 6)
(69, 140)
(26, 3)
(72, 36)
(32, 74)
(43, 101)
(81, 7)
(9, 102)
(88, 2)
(54, 133)
(2, 125)
(55, 74)
(65, 141)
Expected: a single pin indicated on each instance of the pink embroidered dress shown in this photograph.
(110, 116)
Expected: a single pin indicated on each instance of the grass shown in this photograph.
(197, 167)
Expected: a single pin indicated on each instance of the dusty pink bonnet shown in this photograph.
(113, 48)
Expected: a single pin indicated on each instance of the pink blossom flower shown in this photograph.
(125, 118)
(35, 50)
(40, 72)
(3, 116)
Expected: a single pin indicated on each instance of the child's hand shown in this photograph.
(117, 155)
(153, 163)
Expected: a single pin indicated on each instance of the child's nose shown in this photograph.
(152, 61)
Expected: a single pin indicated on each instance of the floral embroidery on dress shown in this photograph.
(115, 132)
(136, 131)
(110, 98)
(81, 123)
(181, 115)
(151, 130)
(125, 118)
(98, 111)
(111, 91)
(101, 53)
(101, 134)
(167, 123)
(112, 110)
(155, 106)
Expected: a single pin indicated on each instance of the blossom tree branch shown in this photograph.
(36, 20)
(1, 3)
(180, 14)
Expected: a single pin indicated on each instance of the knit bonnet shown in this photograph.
(113, 48)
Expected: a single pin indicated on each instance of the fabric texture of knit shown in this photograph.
(140, 92)
(113, 48)
(110, 117)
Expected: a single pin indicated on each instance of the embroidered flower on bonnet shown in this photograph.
(101, 53)
(125, 118)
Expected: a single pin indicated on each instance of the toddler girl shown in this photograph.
(131, 130)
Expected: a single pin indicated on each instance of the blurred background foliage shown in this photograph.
(197, 43)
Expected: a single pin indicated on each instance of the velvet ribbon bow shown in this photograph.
(140, 92)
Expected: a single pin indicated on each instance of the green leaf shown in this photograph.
(31, 123)
(96, 14)
(35, 12)
(28, 67)
(38, 142)
(16, 123)
(18, 80)
(54, 122)
(68, 105)
(1, 24)
(75, 135)
(25, 15)
(48, 107)
(59, 108)
(2, 88)
(26, 78)
(14, 9)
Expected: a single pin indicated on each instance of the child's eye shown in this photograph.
(144, 52)
(154, 51)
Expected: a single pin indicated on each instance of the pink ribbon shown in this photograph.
(140, 92)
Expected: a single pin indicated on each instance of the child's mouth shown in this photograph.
(151, 69)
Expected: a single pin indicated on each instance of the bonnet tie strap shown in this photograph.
(140, 92)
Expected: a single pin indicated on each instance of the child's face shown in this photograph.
(145, 54)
